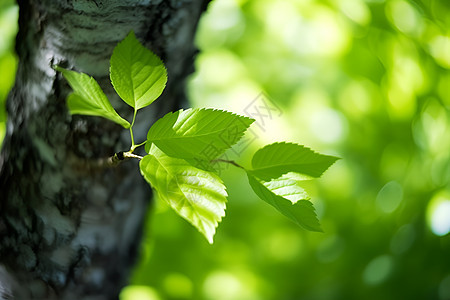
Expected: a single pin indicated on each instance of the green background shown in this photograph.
(367, 81)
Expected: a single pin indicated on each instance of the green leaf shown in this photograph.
(196, 195)
(287, 188)
(277, 159)
(202, 134)
(137, 74)
(302, 212)
(88, 98)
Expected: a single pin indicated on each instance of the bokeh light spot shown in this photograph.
(283, 245)
(406, 79)
(443, 88)
(390, 196)
(331, 37)
(356, 10)
(178, 286)
(440, 50)
(222, 285)
(138, 292)
(226, 20)
(328, 125)
(438, 214)
(8, 25)
(435, 124)
(378, 270)
(404, 16)
(355, 98)
(220, 68)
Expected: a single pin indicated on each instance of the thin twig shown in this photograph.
(128, 155)
(95, 165)
(232, 162)
(121, 156)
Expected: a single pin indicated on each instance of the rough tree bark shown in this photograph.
(68, 228)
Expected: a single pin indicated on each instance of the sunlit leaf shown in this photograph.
(277, 159)
(196, 195)
(88, 98)
(137, 74)
(287, 188)
(197, 133)
(301, 212)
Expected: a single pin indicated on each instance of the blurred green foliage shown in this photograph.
(8, 61)
(367, 81)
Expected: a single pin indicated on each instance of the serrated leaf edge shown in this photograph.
(288, 171)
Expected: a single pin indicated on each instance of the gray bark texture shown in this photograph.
(70, 228)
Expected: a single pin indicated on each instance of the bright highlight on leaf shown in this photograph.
(286, 188)
(196, 195)
(197, 133)
(137, 74)
(302, 212)
(88, 98)
(277, 159)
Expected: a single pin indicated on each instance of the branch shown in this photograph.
(232, 162)
(121, 156)
(95, 165)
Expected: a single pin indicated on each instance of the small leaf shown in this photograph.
(202, 134)
(302, 212)
(277, 159)
(88, 98)
(137, 74)
(196, 195)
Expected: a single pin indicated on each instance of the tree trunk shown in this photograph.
(70, 228)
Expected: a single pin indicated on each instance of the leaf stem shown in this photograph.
(133, 146)
(140, 144)
(232, 162)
